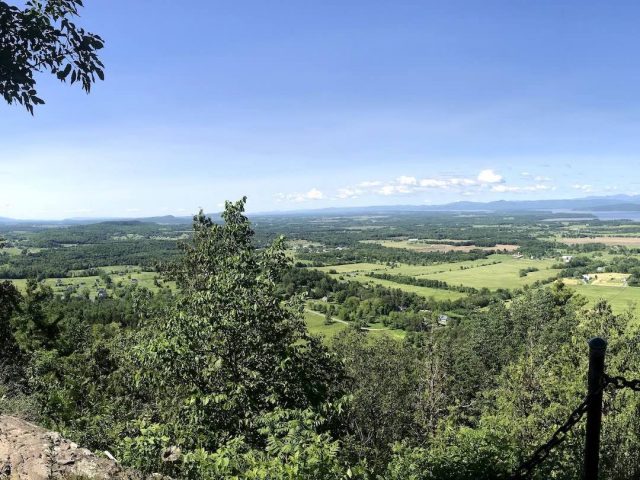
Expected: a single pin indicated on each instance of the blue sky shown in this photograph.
(333, 103)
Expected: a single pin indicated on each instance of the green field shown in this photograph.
(354, 268)
(94, 282)
(315, 324)
(505, 274)
(621, 299)
(496, 271)
(14, 251)
(436, 293)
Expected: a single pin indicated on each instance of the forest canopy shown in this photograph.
(222, 376)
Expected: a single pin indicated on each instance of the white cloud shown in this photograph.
(313, 194)
(520, 188)
(465, 182)
(409, 184)
(542, 178)
(583, 187)
(489, 176)
(404, 180)
(395, 189)
(485, 180)
(344, 193)
(433, 183)
(370, 184)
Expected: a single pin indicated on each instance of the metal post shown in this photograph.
(597, 349)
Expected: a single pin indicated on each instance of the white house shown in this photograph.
(567, 258)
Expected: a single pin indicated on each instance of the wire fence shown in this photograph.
(527, 468)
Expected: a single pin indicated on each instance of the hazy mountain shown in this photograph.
(613, 203)
(586, 204)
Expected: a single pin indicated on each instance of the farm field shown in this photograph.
(496, 271)
(505, 274)
(14, 251)
(353, 268)
(621, 299)
(94, 282)
(618, 240)
(413, 270)
(425, 246)
(315, 324)
(602, 279)
(435, 293)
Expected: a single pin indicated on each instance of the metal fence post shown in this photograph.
(597, 350)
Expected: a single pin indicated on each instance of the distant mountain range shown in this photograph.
(613, 203)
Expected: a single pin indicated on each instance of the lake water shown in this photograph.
(632, 216)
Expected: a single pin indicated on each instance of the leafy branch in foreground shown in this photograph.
(39, 38)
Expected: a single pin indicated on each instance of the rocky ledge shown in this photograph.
(31, 452)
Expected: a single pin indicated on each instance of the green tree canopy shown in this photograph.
(42, 38)
(229, 350)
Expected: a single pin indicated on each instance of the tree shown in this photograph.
(38, 38)
(382, 377)
(230, 350)
(35, 326)
(9, 352)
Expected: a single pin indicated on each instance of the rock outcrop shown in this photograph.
(31, 452)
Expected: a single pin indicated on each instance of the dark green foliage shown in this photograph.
(58, 262)
(10, 355)
(41, 37)
(582, 265)
(371, 252)
(422, 282)
(230, 350)
(224, 371)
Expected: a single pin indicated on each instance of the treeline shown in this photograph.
(374, 253)
(360, 303)
(579, 266)
(223, 380)
(422, 282)
(103, 232)
(483, 230)
(58, 262)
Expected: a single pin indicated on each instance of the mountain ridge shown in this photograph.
(610, 203)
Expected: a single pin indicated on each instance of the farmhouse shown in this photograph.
(567, 258)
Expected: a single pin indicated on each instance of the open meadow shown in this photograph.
(430, 246)
(494, 272)
(92, 284)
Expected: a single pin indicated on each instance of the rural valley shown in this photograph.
(436, 321)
